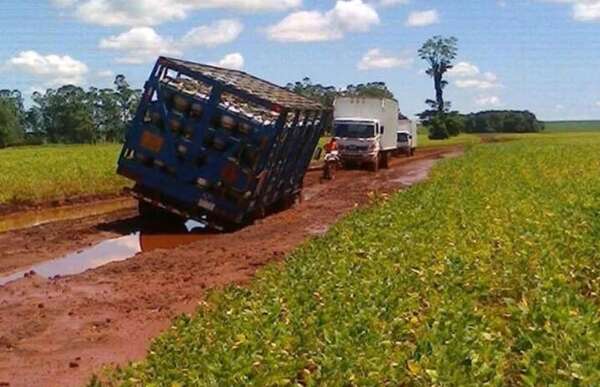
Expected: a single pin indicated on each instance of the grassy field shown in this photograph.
(33, 174)
(572, 126)
(489, 273)
(461, 139)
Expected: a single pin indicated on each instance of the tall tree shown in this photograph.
(369, 90)
(317, 92)
(439, 52)
(66, 115)
(128, 99)
(11, 130)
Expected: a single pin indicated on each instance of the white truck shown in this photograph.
(366, 130)
(406, 136)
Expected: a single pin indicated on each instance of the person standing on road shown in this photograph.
(331, 145)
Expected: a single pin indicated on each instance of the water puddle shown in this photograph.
(34, 218)
(115, 250)
(419, 171)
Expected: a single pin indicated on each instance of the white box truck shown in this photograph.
(406, 137)
(366, 130)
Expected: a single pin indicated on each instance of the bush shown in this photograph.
(438, 129)
(455, 124)
(510, 121)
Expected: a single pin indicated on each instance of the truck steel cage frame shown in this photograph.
(218, 145)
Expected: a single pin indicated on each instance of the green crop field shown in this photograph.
(572, 126)
(461, 139)
(40, 173)
(487, 274)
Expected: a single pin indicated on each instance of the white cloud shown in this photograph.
(219, 32)
(475, 84)
(582, 10)
(559, 107)
(464, 69)
(314, 26)
(234, 61)
(376, 59)
(468, 76)
(488, 101)
(304, 26)
(51, 69)
(423, 18)
(144, 44)
(391, 3)
(135, 13)
(587, 10)
(598, 103)
(140, 45)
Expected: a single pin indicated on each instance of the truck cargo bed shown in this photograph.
(218, 145)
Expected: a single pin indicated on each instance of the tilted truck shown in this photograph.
(216, 145)
(366, 130)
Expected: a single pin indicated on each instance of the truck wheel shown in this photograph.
(385, 160)
(375, 165)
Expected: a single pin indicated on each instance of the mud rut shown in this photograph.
(59, 332)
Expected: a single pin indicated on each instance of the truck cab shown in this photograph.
(358, 139)
(365, 129)
(405, 143)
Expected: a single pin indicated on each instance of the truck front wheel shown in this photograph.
(374, 166)
(385, 160)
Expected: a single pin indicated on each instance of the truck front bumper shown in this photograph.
(359, 157)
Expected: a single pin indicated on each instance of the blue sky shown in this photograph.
(541, 55)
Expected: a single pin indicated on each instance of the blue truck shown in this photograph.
(217, 145)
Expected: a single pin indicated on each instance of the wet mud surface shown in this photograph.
(59, 331)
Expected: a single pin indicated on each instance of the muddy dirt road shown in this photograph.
(59, 331)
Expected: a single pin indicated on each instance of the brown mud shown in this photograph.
(59, 331)
(21, 206)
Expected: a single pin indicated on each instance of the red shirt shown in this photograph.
(331, 146)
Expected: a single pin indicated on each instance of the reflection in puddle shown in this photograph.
(115, 250)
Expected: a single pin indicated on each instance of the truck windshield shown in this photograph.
(354, 130)
(402, 137)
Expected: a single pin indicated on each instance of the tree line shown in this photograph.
(68, 114)
(326, 94)
(71, 114)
